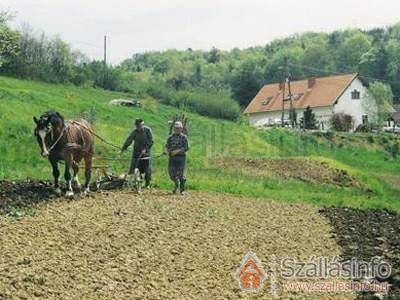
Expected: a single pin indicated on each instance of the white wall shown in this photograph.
(356, 107)
(322, 114)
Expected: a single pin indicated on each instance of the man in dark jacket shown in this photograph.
(176, 147)
(143, 141)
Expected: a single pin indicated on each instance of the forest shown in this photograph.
(215, 83)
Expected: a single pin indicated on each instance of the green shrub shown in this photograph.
(214, 104)
(393, 149)
(89, 115)
(329, 135)
(309, 139)
(383, 140)
(365, 127)
(371, 139)
(341, 122)
(159, 91)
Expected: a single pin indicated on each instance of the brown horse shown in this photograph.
(68, 141)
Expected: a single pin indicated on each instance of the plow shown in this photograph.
(106, 179)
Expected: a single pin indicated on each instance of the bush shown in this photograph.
(160, 92)
(371, 139)
(79, 79)
(341, 122)
(393, 149)
(383, 139)
(149, 104)
(329, 135)
(365, 127)
(214, 104)
(89, 115)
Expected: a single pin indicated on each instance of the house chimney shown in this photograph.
(311, 82)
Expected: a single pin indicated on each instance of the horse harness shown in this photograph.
(65, 130)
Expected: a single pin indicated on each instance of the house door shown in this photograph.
(365, 119)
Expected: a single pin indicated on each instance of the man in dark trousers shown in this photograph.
(143, 141)
(176, 147)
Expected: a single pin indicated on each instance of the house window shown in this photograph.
(297, 96)
(355, 95)
(365, 119)
(266, 102)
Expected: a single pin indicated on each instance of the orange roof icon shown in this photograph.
(251, 275)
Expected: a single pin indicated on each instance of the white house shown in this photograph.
(325, 96)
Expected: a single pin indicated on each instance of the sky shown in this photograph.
(134, 26)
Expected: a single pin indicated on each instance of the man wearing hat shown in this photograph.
(143, 141)
(176, 147)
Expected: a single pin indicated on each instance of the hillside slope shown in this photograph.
(369, 161)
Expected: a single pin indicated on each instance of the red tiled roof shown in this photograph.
(324, 92)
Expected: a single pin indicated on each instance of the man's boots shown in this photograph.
(176, 187)
(182, 185)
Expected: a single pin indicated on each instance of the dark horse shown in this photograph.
(68, 141)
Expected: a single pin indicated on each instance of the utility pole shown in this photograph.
(283, 93)
(283, 103)
(288, 80)
(105, 50)
(105, 61)
(291, 110)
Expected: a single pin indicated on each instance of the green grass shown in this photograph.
(362, 156)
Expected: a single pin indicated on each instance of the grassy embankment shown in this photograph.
(368, 158)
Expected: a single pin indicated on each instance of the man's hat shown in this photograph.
(178, 124)
(138, 121)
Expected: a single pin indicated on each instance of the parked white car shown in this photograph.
(394, 129)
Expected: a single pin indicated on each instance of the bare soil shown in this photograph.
(364, 234)
(153, 246)
(306, 170)
(25, 193)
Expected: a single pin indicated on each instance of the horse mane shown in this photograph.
(54, 117)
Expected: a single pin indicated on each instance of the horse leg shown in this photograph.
(67, 176)
(88, 167)
(75, 167)
(56, 175)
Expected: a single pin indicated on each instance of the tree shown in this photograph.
(9, 40)
(393, 64)
(394, 31)
(351, 51)
(275, 70)
(373, 62)
(197, 76)
(319, 57)
(61, 60)
(162, 66)
(308, 121)
(246, 82)
(379, 102)
(213, 56)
